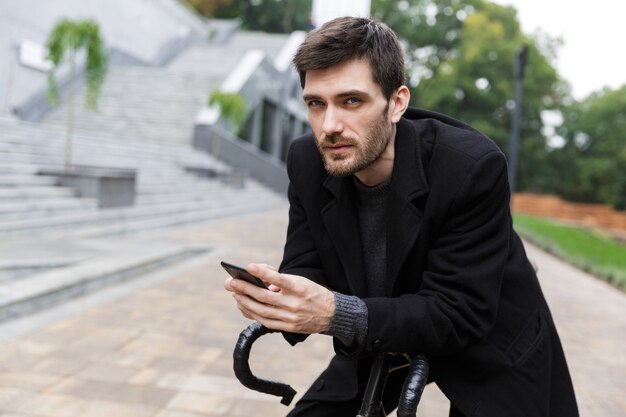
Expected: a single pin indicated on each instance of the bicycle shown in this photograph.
(371, 405)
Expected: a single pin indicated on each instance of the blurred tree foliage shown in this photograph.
(460, 58)
(273, 16)
(208, 7)
(595, 149)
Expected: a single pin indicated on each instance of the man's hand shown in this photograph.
(293, 303)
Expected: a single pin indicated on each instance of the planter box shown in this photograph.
(112, 187)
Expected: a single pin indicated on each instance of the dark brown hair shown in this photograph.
(346, 38)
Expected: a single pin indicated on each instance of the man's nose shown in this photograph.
(332, 123)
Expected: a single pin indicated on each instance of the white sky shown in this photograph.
(594, 32)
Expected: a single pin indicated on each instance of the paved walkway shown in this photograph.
(161, 346)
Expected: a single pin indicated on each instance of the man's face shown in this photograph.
(349, 116)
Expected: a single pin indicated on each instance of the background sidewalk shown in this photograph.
(161, 345)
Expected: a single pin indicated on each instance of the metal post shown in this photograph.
(520, 63)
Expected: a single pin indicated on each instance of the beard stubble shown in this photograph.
(368, 150)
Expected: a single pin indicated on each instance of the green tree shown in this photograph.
(64, 41)
(273, 16)
(460, 56)
(208, 7)
(595, 149)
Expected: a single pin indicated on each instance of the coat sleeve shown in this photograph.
(457, 302)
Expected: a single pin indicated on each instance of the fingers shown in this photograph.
(274, 288)
(240, 286)
(270, 275)
(247, 314)
(272, 267)
(244, 288)
(227, 285)
(263, 313)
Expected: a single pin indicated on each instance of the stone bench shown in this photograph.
(112, 187)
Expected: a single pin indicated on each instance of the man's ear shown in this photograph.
(399, 103)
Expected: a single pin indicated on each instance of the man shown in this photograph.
(400, 240)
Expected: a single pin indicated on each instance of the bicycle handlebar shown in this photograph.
(241, 355)
(411, 391)
(413, 386)
(409, 398)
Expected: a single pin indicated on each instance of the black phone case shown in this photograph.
(238, 272)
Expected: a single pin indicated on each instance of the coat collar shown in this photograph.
(403, 218)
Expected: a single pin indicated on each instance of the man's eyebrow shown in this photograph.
(349, 93)
(308, 97)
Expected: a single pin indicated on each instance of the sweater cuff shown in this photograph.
(349, 324)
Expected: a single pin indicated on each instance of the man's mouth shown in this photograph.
(337, 148)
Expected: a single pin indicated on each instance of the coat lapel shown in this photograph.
(403, 219)
(408, 182)
(341, 221)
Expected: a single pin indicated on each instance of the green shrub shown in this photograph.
(232, 106)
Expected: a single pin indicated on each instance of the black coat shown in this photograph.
(459, 286)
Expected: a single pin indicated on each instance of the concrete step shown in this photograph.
(105, 153)
(8, 168)
(123, 220)
(215, 194)
(182, 186)
(12, 270)
(22, 179)
(28, 295)
(144, 104)
(100, 144)
(12, 194)
(41, 208)
(180, 219)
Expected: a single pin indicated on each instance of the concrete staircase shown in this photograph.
(56, 245)
(160, 105)
(33, 205)
(48, 233)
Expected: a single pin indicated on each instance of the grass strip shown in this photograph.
(592, 251)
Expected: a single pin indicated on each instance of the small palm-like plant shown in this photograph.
(67, 38)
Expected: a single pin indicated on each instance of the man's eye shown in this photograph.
(353, 100)
(314, 103)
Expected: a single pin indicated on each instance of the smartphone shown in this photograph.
(238, 272)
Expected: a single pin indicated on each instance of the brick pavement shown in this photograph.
(162, 347)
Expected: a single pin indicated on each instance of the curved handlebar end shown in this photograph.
(241, 355)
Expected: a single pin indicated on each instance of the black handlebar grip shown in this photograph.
(413, 387)
(241, 355)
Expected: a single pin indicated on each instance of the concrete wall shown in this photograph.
(244, 157)
(551, 206)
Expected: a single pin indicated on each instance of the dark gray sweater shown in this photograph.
(350, 321)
